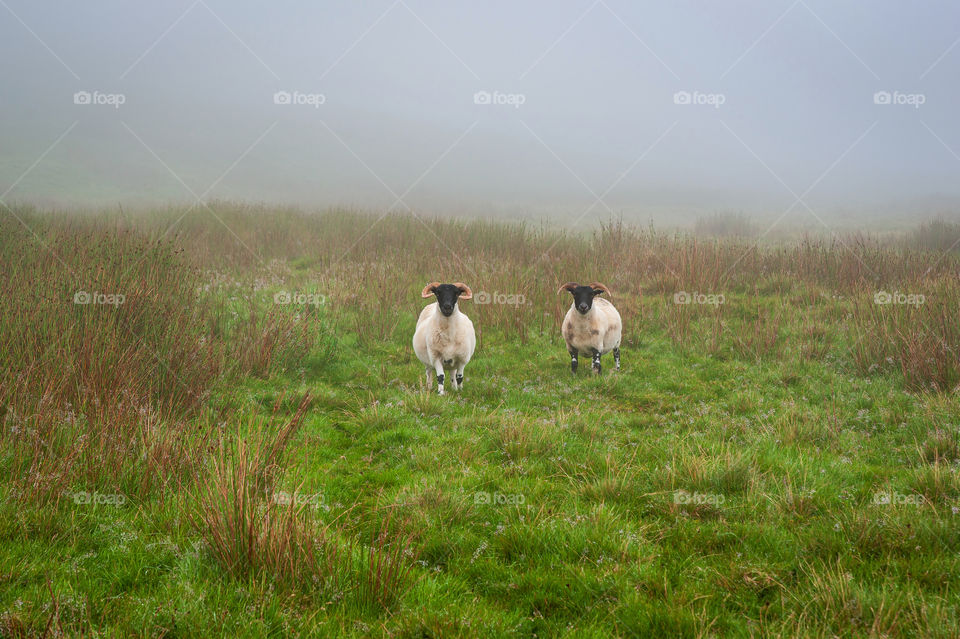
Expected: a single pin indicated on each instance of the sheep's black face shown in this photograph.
(583, 298)
(447, 295)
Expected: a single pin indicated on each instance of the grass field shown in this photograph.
(220, 429)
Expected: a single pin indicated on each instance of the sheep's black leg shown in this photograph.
(596, 362)
(616, 357)
(459, 380)
(573, 360)
(440, 383)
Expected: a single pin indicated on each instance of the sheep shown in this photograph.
(444, 338)
(591, 325)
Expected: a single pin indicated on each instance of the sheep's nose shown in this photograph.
(583, 308)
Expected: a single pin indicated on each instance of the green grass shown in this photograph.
(712, 487)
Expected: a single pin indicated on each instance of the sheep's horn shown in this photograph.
(569, 286)
(428, 289)
(598, 286)
(465, 292)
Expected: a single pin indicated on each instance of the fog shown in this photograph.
(809, 112)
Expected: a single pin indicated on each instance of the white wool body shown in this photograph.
(599, 330)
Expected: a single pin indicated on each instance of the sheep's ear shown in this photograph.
(465, 292)
(599, 288)
(429, 289)
(569, 286)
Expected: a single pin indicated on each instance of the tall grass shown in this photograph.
(939, 235)
(920, 340)
(384, 565)
(255, 530)
(248, 529)
(370, 268)
(108, 348)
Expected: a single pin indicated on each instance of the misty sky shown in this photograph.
(587, 100)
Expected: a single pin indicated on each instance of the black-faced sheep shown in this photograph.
(444, 338)
(592, 325)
